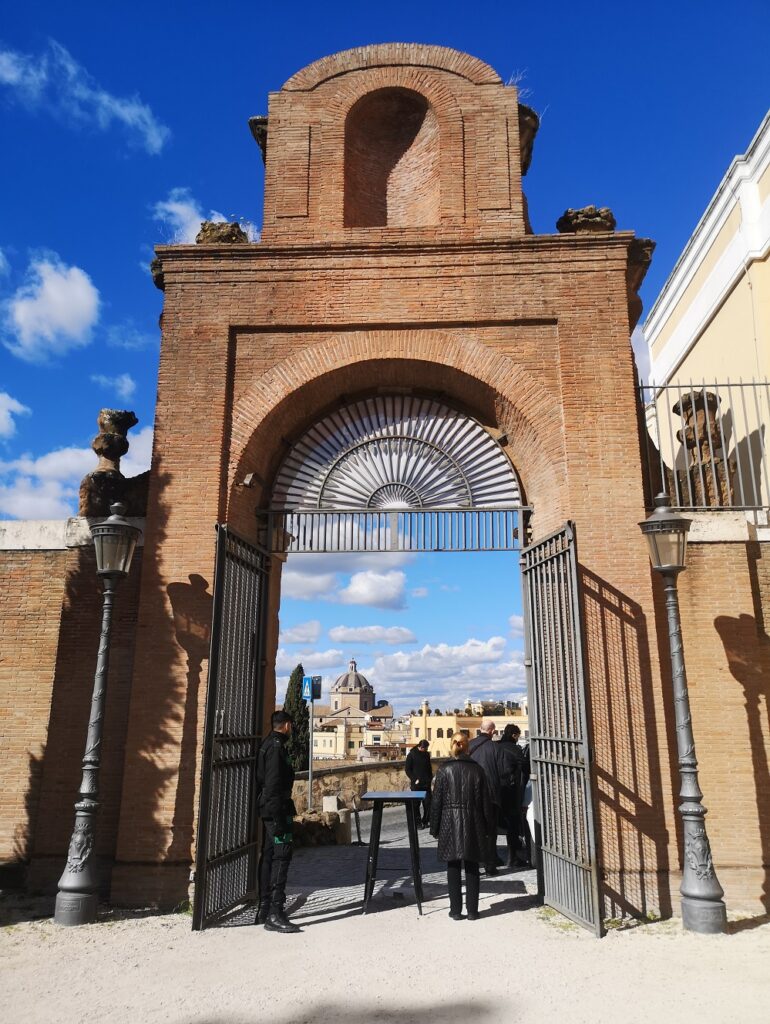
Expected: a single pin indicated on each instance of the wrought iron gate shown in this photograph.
(559, 740)
(226, 848)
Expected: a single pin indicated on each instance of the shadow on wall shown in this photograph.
(633, 836)
(747, 647)
(192, 605)
(13, 872)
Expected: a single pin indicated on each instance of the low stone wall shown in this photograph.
(350, 782)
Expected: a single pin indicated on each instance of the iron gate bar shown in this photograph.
(226, 841)
(559, 739)
(335, 530)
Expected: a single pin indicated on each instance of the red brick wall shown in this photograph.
(50, 607)
(31, 592)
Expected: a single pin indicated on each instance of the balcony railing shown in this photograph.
(705, 444)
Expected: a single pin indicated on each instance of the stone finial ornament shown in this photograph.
(106, 484)
(258, 128)
(586, 220)
(220, 232)
(529, 122)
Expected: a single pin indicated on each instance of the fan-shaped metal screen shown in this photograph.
(396, 452)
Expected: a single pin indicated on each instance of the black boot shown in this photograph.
(277, 921)
(262, 912)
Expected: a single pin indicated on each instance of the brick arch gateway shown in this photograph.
(526, 334)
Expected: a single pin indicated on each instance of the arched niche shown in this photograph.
(392, 155)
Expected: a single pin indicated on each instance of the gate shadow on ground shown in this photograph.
(324, 1013)
(623, 720)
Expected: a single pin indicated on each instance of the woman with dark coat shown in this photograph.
(511, 763)
(463, 819)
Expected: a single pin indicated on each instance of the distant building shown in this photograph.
(349, 723)
(439, 729)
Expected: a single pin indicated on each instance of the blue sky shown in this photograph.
(122, 125)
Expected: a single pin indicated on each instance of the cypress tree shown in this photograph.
(294, 705)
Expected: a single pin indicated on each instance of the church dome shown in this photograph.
(352, 681)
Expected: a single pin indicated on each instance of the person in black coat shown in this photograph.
(483, 750)
(463, 819)
(419, 771)
(510, 764)
(275, 779)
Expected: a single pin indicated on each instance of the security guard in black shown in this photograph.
(275, 779)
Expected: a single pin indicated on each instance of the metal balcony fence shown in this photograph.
(705, 445)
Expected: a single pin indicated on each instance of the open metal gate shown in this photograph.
(226, 847)
(559, 741)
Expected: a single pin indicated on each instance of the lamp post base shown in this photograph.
(75, 908)
(708, 917)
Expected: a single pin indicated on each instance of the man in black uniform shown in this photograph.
(275, 778)
(419, 771)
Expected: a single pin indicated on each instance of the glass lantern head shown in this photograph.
(666, 532)
(114, 543)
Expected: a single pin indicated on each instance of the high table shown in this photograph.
(410, 799)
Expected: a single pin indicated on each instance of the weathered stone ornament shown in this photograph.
(214, 232)
(106, 485)
(587, 219)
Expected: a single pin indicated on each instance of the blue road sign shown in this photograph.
(307, 687)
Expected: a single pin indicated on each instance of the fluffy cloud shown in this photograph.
(287, 661)
(309, 577)
(308, 586)
(372, 635)
(642, 353)
(46, 487)
(54, 82)
(9, 408)
(183, 214)
(53, 311)
(375, 589)
(302, 633)
(123, 385)
(127, 335)
(516, 622)
(5, 266)
(447, 674)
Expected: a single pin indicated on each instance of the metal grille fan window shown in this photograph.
(396, 452)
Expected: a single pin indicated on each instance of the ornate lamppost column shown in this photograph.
(703, 908)
(114, 543)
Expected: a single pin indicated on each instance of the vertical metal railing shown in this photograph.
(705, 444)
(226, 841)
(559, 738)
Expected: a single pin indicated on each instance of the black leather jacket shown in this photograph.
(462, 816)
(275, 778)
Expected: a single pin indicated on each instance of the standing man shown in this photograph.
(419, 771)
(275, 779)
(483, 751)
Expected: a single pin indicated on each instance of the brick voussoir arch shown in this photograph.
(360, 58)
(524, 407)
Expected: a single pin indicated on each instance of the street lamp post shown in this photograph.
(114, 543)
(703, 909)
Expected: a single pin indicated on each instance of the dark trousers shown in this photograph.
(453, 874)
(425, 803)
(274, 865)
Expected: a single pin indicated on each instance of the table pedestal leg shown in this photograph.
(374, 848)
(414, 851)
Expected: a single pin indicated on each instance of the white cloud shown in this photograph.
(123, 385)
(139, 453)
(308, 586)
(287, 661)
(183, 213)
(54, 82)
(372, 635)
(516, 622)
(5, 266)
(127, 335)
(302, 633)
(9, 407)
(641, 352)
(46, 487)
(447, 674)
(52, 312)
(419, 592)
(375, 589)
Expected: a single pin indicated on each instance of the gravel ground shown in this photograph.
(519, 962)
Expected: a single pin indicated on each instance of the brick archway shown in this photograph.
(277, 407)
